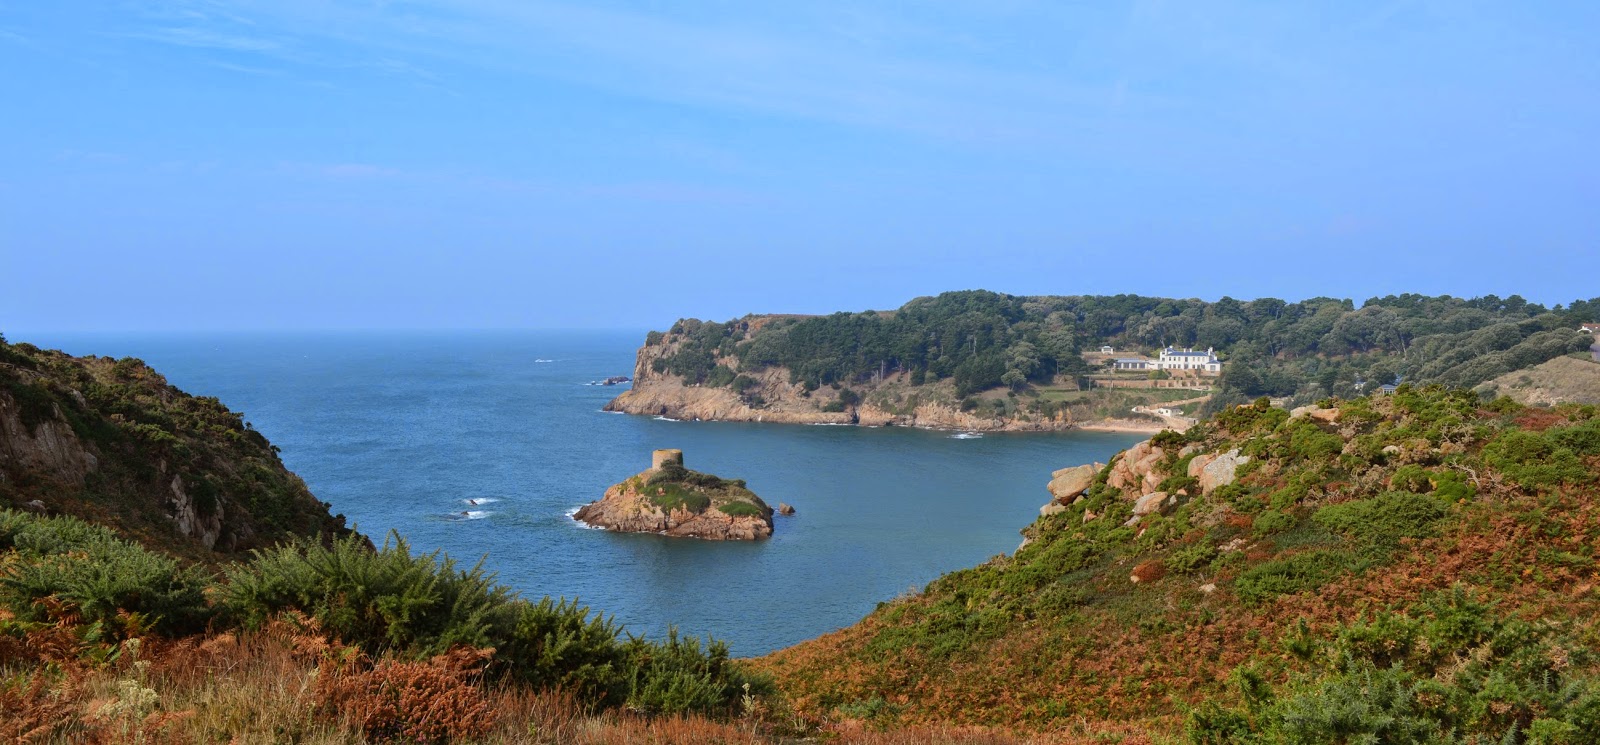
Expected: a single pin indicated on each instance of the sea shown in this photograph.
(480, 445)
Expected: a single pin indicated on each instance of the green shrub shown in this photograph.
(381, 600)
(98, 576)
(1191, 558)
(1536, 460)
(1272, 521)
(720, 376)
(739, 509)
(678, 676)
(1386, 518)
(559, 644)
(1288, 575)
(1452, 672)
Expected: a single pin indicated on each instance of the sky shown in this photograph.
(220, 165)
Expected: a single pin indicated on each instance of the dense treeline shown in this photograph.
(982, 340)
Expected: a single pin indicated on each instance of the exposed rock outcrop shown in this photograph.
(672, 500)
(1216, 470)
(1067, 483)
(49, 448)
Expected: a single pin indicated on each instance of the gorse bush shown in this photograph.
(562, 644)
(386, 599)
(1451, 670)
(678, 675)
(1386, 518)
(112, 585)
(1304, 571)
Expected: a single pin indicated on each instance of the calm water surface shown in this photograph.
(398, 431)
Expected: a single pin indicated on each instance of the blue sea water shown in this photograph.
(404, 432)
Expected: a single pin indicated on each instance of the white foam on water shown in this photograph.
(572, 513)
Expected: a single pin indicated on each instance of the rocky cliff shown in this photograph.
(112, 442)
(771, 394)
(672, 500)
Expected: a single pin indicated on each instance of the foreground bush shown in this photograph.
(387, 603)
(114, 587)
(385, 599)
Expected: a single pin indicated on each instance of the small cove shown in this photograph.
(480, 444)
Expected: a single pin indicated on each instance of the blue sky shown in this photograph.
(300, 164)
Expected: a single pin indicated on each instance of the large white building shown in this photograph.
(1174, 359)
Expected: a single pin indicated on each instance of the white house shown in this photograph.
(1106, 349)
(1188, 359)
(1588, 328)
(1174, 359)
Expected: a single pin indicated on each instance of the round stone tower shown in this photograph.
(660, 458)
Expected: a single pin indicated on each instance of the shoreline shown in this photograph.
(1114, 426)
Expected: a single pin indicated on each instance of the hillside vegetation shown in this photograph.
(103, 640)
(978, 341)
(1409, 568)
(112, 442)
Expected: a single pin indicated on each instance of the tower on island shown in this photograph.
(660, 458)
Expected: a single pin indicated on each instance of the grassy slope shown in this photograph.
(1058, 636)
(144, 432)
(1570, 379)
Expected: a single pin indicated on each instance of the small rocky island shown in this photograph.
(672, 500)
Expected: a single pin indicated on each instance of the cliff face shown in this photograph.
(768, 395)
(110, 441)
(670, 500)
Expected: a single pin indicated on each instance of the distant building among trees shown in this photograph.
(1205, 362)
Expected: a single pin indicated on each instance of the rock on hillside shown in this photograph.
(112, 442)
(672, 500)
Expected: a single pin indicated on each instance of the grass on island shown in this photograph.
(674, 487)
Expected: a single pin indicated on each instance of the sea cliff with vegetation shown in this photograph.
(110, 441)
(980, 360)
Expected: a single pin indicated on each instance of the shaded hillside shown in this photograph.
(1419, 560)
(981, 358)
(112, 442)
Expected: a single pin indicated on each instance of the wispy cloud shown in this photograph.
(207, 39)
(850, 72)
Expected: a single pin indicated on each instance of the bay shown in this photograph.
(405, 432)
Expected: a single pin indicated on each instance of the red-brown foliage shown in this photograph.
(36, 710)
(1149, 571)
(431, 701)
